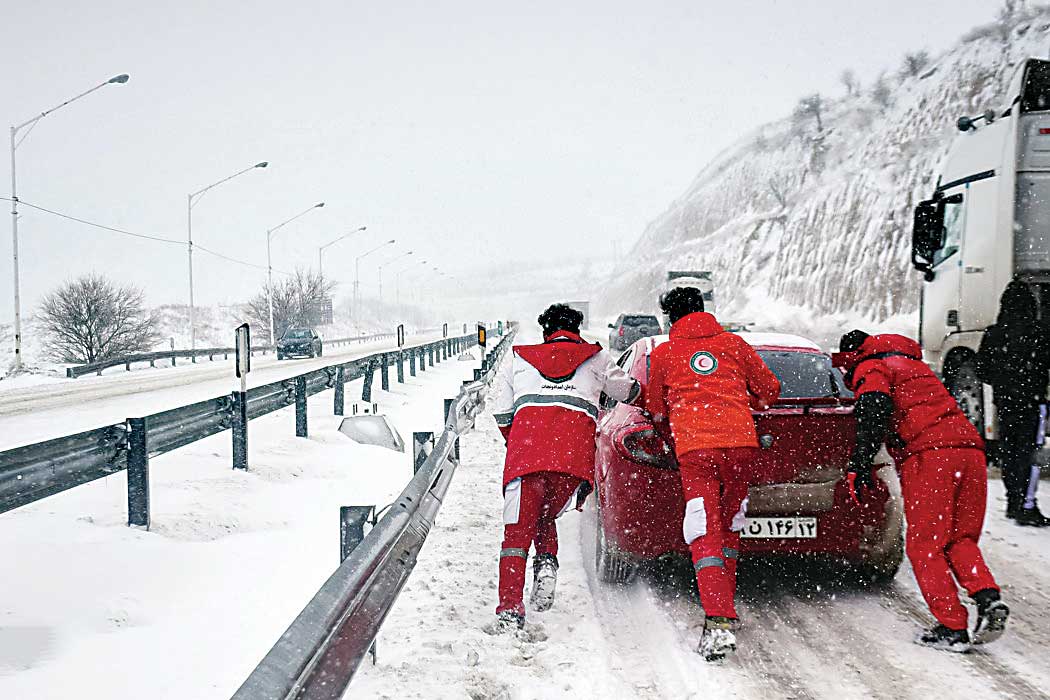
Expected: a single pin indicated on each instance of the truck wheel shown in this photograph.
(611, 565)
(960, 376)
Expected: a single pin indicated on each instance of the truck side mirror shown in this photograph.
(927, 235)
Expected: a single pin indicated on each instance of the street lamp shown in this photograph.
(269, 265)
(345, 235)
(397, 280)
(386, 264)
(357, 270)
(31, 123)
(191, 200)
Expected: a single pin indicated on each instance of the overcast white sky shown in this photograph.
(469, 131)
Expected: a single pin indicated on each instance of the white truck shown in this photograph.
(987, 223)
(701, 279)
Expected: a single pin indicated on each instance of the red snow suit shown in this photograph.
(944, 477)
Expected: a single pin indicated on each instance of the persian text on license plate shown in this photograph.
(780, 528)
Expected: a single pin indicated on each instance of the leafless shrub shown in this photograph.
(913, 64)
(297, 302)
(91, 318)
(849, 81)
(810, 107)
(882, 93)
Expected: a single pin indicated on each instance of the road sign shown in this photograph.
(244, 351)
(401, 335)
(444, 331)
(482, 335)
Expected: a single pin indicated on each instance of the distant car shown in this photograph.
(299, 342)
(630, 328)
(799, 501)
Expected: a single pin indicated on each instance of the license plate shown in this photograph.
(780, 528)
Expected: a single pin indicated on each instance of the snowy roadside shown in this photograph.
(92, 609)
(803, 636)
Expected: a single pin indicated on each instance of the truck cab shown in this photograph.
(987, 223)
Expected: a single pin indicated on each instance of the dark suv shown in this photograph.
(630, 328)
(299, 342)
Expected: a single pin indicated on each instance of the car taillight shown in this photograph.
(642, 444)
(621, 331)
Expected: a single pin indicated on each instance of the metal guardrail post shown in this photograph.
(138, 474)
(366, 385)
(430, 352)
(352, 521)
(384, 373)
(449, 403)
(422, 446)
(478, 375)
(422, 359)
(300, 407)
(340, 390)
(412, 362)
(400, 367)
(239, 425)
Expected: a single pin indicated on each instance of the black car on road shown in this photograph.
(630, 328)
(299, 342)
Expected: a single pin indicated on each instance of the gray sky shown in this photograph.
(469, 131)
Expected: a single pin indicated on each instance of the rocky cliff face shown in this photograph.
(809, 221)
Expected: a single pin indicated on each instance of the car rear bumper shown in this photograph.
(642, 510)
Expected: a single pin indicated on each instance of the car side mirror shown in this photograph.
(612, 325)
(606, 402)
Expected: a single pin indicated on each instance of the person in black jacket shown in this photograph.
(1015, 359)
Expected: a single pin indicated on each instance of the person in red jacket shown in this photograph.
(944, 480)
(547, 410)
(703, 384)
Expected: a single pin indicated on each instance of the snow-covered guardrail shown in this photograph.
(319, 653)
(211, 353)
(36, 471)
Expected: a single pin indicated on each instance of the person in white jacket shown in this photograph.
(546, 406)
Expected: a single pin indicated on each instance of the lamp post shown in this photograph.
(321, 249)
(15, 143)
(191, 200)
(387, 264)
(269, 264)
(397, 280)
(357, 270)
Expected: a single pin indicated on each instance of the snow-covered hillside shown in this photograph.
(814, 223)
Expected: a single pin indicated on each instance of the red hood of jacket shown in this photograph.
(876, 345)
(560, 356)
(698, 325)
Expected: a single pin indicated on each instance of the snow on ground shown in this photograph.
(804, 634)
(43, 410)
(91, 609)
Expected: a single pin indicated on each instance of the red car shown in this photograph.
(798, 502)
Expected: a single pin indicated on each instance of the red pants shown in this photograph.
(944, 502)
(530, 506)
(715, 499)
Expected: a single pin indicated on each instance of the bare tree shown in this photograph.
(914, 62)
(810, 107)
(91, 318)
(850, 82)
(297, 302)
(882, 93)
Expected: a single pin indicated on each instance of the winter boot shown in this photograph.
(940, 637)
(506, 621)
(1013, 507)
(717, 639)
(992, 614)
(544, 580)
(1032, 517)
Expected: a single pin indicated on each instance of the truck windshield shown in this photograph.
(954, 222)
(802, 375)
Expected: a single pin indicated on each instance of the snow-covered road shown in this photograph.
(805, 634)
(93, 610)
(57, 407)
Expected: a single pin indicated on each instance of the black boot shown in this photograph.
(992, 614)
(941, 637)
(1032, 517)
(544, 581)
(1013, 508)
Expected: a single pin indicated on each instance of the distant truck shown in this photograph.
(987, 223)
(701, 279)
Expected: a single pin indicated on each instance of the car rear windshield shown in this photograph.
(637, 321)
(802, 375)
(297, 334)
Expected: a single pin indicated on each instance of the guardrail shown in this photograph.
(319, 653)
(211, 353)
(36, 471)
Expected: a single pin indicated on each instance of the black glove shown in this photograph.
(859, 478)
